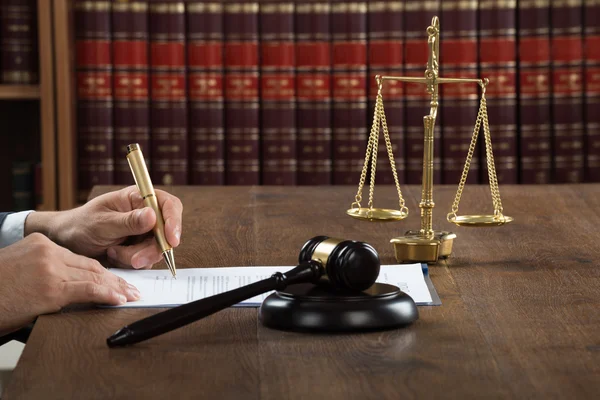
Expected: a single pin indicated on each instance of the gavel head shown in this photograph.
(348, 264)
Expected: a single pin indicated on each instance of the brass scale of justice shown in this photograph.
(427, 245)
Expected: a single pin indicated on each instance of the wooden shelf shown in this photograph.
(17, 92)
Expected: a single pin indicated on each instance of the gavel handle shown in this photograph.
(179, 316)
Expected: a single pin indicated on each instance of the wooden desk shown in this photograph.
(520, 314)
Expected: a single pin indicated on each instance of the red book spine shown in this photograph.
(349, 36)
(592, 90)
(205, 83)
(313, 96)
(417, 17)
(459, 102)
(130, 83)
(386, 48)
(168, 118)
(567, 88)
(498, 60)
(94, 71)
(19, 52)
(278, 97)
(242, 104)
(534, 91)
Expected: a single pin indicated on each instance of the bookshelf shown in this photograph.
(65, 97)
(47, 105)
(28, 119)
(19, 92)
(519, 61)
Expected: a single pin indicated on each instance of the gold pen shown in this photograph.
(135, 158)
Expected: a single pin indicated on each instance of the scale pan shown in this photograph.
(480, 220)
(376, 214)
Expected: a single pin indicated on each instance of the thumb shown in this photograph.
(136, 222)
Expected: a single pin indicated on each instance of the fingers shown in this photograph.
(105, 279)
(83, 269)
(172, 211)
(139, 256)
(122, 200)
(134, 197)
(90, 292)
(132, 223)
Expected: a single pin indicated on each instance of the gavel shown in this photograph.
(343, 264)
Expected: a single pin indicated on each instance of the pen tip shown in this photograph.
(170, 261)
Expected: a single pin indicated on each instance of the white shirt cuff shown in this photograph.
(13, 228)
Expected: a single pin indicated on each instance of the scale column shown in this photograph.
(427, 203)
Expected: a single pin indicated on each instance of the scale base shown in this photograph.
(305, 307)
(412, 247)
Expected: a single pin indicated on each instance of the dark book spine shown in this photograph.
(38, 185)
(22, 186)
(498, 60)
(417, 17)
(313, 85)
(459, 101)
(349, 38)
(94, 71)
(278, 97)
(130, 82)
(592, 89)
(19, 53)
(386, 49)
(534, 91)
(567, 86)
(242, 106)
(205, 85)
(168, 118)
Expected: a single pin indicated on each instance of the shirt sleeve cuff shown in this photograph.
(13, 228)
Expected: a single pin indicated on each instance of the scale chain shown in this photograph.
(374, 149)
(463, 178)
(388, 144)
(379, 123)
(370, 145)
(482, 117)
(495, 190)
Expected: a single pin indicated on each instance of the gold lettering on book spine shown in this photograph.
(534, 3)
(242, 8)
(281, 8)
(566, 3)
(213, 8)
(497, 4)
(168, 8)
(93, 6)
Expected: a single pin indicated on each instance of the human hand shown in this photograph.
(116, 224)
(37, 276)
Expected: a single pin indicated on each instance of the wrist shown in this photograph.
(44, 222)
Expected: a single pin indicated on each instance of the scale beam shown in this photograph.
(413, 79)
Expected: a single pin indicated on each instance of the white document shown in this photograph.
(159, 289)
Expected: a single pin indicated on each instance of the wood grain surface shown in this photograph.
(519, 316)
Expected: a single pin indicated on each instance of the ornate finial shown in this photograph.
(431, 74)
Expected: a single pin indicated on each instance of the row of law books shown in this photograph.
(283, 92)
(19, 44)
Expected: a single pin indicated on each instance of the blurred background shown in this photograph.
(283, 92)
